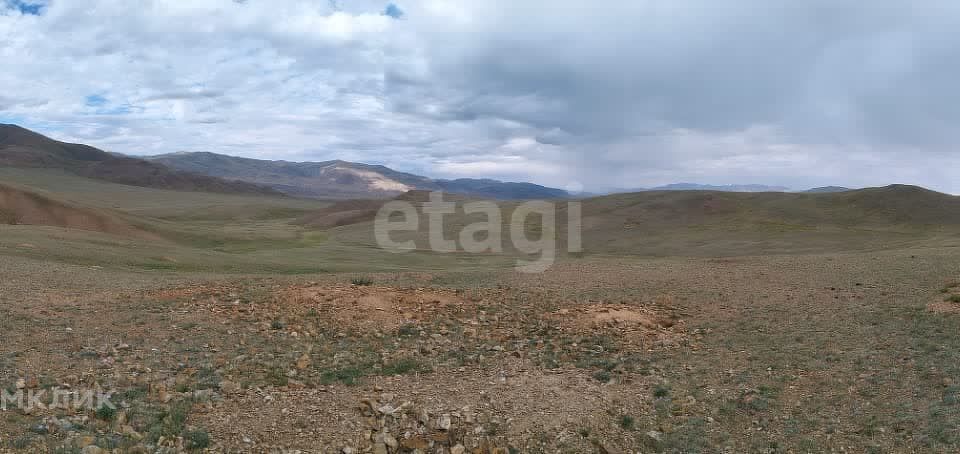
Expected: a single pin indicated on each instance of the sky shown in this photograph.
(580, 95)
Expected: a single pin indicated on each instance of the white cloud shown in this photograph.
(561, 93)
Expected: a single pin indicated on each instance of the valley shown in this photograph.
(690, 321)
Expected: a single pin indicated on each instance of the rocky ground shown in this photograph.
(836, 353)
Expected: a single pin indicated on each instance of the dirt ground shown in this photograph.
(810, 353)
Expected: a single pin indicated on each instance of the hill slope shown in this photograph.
(706, 187)
(19, 206)
(712, 223)
(829, 189)
(891, 206)
(342, 179)
(728, 223)
(20, 147)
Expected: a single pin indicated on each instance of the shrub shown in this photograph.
(346, 375)
(21, 443)
(408, 330)
(197, 439)
(661, 391)
(402, 366)
(170, 423)
(106, 413)
(364, 281)
(602, 376)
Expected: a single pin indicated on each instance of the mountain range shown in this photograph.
(730, 188)
(342, 179)
(336, 179)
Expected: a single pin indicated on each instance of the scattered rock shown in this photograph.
(444, 423)
(303, 362)
(653, 440)
(229, 387)
(415, 443)
(390, 441)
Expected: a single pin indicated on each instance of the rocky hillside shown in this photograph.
(20, 147)
(342, 179)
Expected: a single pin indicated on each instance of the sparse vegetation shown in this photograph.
(170, 422)
(197, 439)
(660, 391)
(602, 376)
(347, 375)
(403, 366)
(362, 281)
(408, 330)
(106, 413)
(771, 353)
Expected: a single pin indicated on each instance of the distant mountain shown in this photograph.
(20, 147)
(828, 189)
(731, 188)
(709, 187)
(336, 179)
(723, 188)
(500, 190)
(342, 179)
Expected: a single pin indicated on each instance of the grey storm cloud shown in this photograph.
(564, 93)
(879, 69)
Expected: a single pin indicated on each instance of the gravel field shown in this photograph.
(803, 353)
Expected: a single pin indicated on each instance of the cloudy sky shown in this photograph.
(572, 94)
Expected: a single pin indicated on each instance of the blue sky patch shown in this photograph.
(11, 119)
(393, 11)
(95, 101)
(100, 105)
(116, 110)
(25, 6)
(43, 127)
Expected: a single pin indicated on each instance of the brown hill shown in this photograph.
(894, 206)
(346, 212)
(711, 223)
(356, 211)
(18, 206)
(726, 223)
(20, 147)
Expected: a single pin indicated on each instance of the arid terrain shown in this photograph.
(691, 321)
(812, 353)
